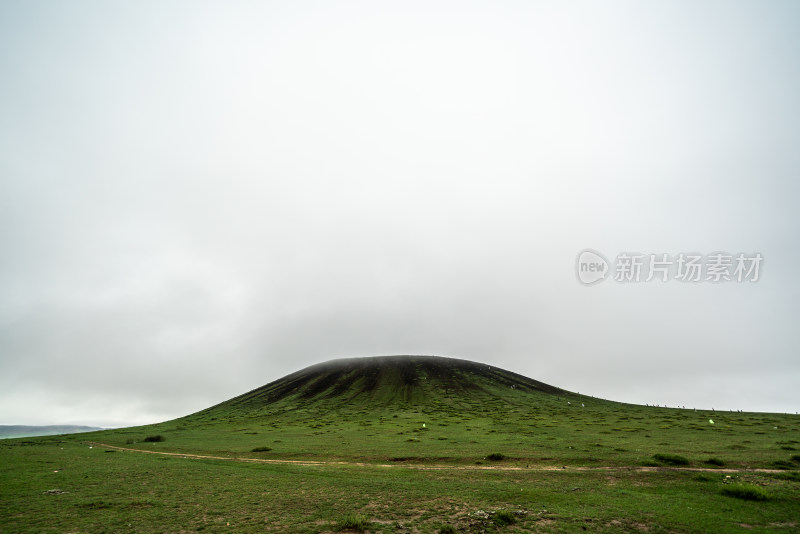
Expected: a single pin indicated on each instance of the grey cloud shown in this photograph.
(196, 200)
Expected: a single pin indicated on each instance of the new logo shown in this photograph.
(591, 267)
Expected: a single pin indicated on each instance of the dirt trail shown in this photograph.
(420, 467)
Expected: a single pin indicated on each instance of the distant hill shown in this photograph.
(23, 431)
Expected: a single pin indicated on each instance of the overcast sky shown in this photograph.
(197, 198)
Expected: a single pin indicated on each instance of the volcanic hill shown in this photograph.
(433, 408)
(361, 407)
(390, 381)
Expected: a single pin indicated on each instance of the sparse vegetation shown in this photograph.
(447, 529)
(95, 505)
(671, 459)
(748, 492)
(356, 522)
(504, 518)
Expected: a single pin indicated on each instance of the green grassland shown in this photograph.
(412, 445)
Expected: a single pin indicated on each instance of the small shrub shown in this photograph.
(503, 518)
(357, 522)
(715, 461)
(748, 492)
(782, 464)
(796, 458)
(95, 505)
(447, 529)
(671, 459)
(154, 439)
(702, 478)
(261, 449)
(496, 457)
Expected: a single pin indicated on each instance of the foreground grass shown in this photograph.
(100, 491)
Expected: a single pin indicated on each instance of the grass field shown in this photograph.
(437, 450)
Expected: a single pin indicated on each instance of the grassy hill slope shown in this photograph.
(377, 409)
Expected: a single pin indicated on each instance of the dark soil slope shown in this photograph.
(386, 380)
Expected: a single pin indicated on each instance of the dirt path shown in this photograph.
(419, 467)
